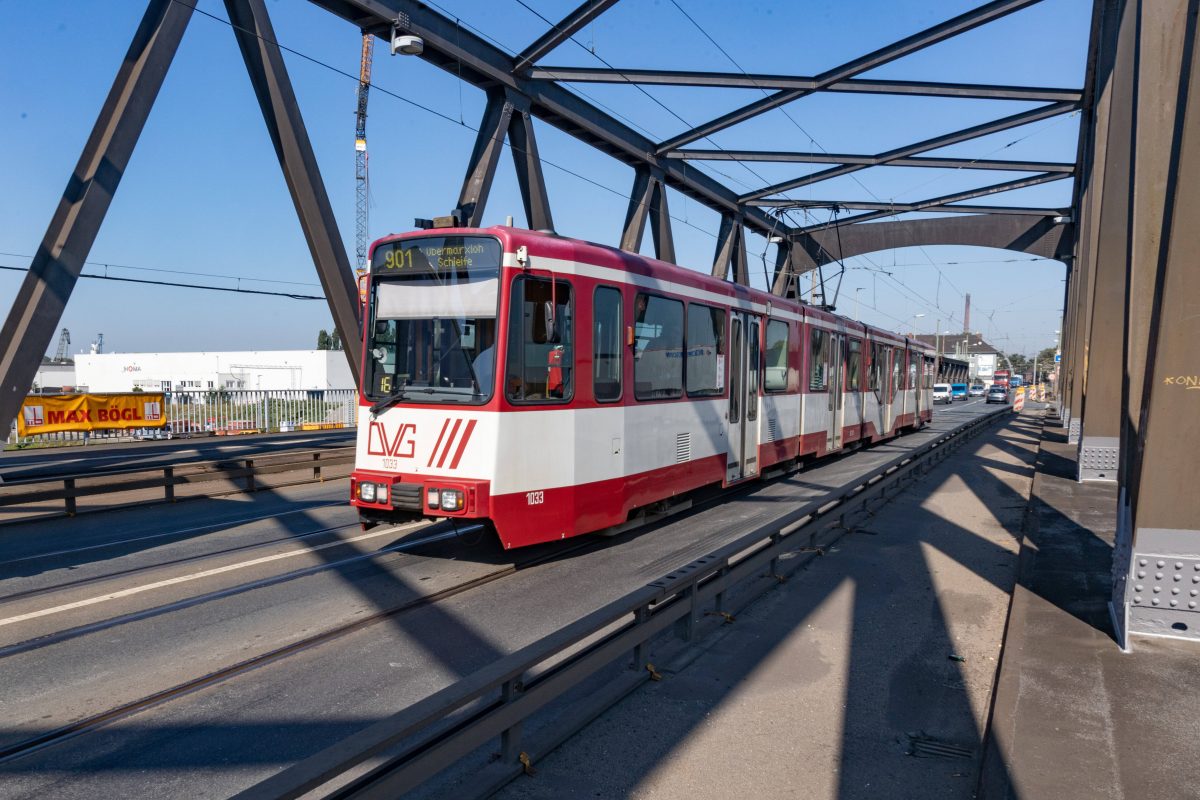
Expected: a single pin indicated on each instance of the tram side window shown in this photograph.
(776, 377)
(818, 364)
(658, 348)
(854, 366)
(541, 337)
(897, 362)
(606, 344)
(705, 350)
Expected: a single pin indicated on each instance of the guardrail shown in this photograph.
(494, 702)
(240, 474)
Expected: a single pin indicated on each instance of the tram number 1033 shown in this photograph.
(535, 498)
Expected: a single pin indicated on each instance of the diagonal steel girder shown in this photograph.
(559, 33)
(904, 208)
(945, 140)
(467, 56)
(38, 306)
(796, 157)
(911, 44)
(740, 80)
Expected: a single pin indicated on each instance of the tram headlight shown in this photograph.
(366, 492)
(381, 493)
(433, 498)
(452, 500)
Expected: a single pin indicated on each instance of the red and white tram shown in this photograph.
(555, 387)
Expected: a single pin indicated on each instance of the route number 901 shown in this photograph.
(535, 498)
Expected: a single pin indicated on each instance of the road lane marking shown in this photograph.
(196, 576)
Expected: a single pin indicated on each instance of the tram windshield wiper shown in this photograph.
(388, 401)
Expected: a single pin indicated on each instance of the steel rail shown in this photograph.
(58, 735)
(494, 701)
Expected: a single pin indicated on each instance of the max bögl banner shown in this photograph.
(52, 413)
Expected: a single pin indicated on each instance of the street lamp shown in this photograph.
(915, 318)
(856, 291)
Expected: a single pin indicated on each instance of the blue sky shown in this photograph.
(204, 193)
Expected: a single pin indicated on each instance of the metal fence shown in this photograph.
(225, 412)
(491, 706)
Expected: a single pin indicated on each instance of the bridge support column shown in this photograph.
(648, 200)
(731, 251)
(1156, 566)
(273, 87)
(485, 156)
(506, 114)
(1100, 423)
(38, 307)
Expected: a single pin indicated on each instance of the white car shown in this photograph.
(941, 393)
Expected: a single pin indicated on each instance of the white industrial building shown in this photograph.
(251, 369)
(52, 377)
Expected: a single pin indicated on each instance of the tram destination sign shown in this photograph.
(436, 255)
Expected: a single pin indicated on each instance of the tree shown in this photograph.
(1047, 355)
(335, 340)
(323, 340)
(1020, 364)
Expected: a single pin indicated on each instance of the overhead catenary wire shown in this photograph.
(397, 96)
(235, 290)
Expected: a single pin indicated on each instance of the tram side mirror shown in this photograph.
(550, 332)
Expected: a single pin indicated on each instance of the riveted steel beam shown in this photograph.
(485, 156)
(910, 44)
(945, 140)
(1158, 533)
(38, 306)
(871, 160)
(648, 201)
(738, 80)
(467, 56)
(1038, 235)
(530, 177)
(264, 64)
(904, 208)
(943, 201)
(731, 251)
(560, 32)
(1100, 410)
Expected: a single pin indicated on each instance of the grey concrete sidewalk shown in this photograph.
(868, 675)
(1075, 718)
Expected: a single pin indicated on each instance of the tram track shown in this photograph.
(124, 710)
(54, 736)
(188, 602)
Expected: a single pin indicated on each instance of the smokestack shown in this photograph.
(967, 315)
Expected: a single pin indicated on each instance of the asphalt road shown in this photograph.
(52, 462)
(103, 611)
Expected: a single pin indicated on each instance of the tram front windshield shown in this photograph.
(432, 331)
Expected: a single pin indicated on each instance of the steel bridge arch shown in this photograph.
(1035, 234)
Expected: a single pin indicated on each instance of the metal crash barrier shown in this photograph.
(493, 703)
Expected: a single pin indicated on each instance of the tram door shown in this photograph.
(742, 426)
(837, 388)
(916, 379)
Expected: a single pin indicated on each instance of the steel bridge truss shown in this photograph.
(1129, 236)
(519, 90)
